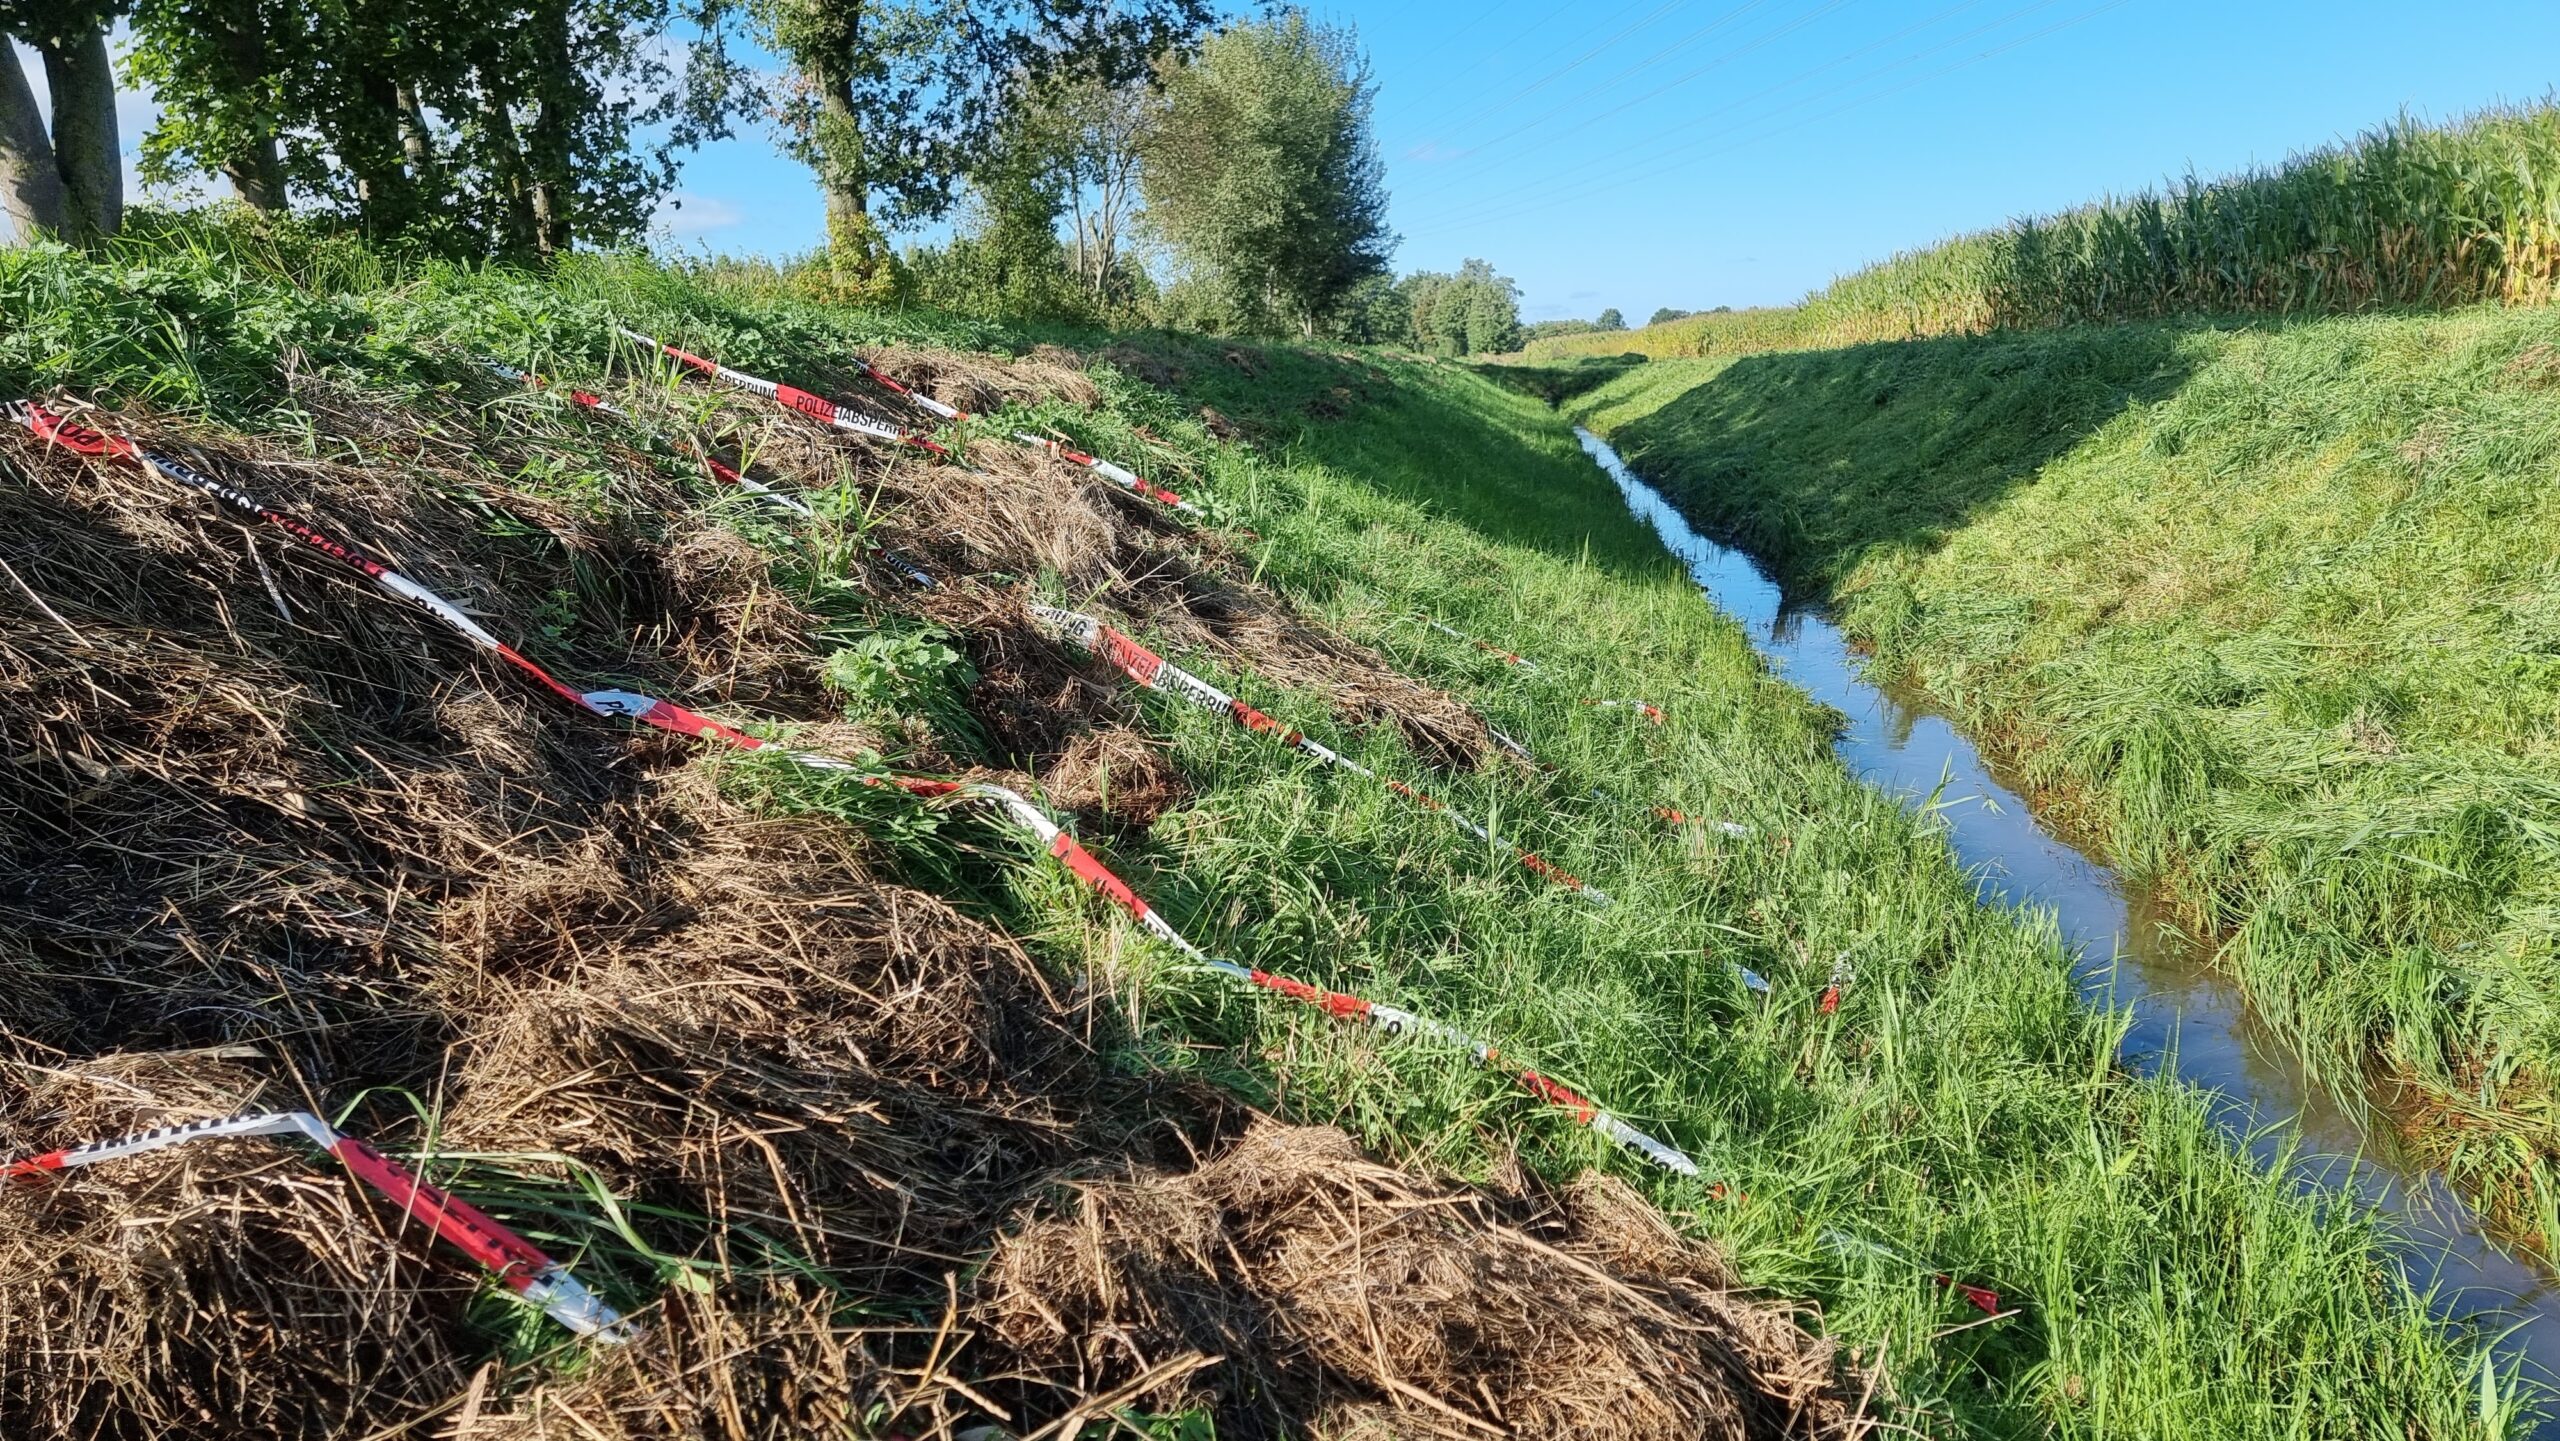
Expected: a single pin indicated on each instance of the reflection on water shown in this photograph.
(2187, 1016)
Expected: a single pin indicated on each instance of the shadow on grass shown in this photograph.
(1810, 460)
(1410, 429)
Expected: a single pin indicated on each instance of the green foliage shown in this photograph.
(1008, 262)
(1474, 312)
(898, 671)
(1609, 319)
(2408, 215)
(1378, 311)
(470, 127)
(1262, 172)
(1666, 315)
(1540, 330)
(2272, 606)
(894, 100)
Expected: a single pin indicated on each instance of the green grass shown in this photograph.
(2406, 215)
(2277, 607)
(1961, 1106)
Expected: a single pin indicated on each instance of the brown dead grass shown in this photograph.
(1030, 515)
(1115, 778)
(1340, 1298)
(276, 843)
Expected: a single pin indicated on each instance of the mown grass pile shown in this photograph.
(760, 1049)
(2407, 215)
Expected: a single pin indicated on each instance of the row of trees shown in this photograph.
(521, 127)
(1608, 320)
(1062, 130)
(1248, 167)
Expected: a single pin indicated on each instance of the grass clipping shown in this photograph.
(1355, 1300)
(281, 846)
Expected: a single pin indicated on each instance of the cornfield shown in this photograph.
(2404, 216)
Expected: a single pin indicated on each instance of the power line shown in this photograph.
(1762, 43)
(1452, 78)
(1650, 162)
(1568, 68)
(1505, 209)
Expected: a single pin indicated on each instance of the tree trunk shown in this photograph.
(257, 170)
(515, 193)
(257, 173)
(547, 147)
(368, 145)
(415, 145)
(848, 198)
(85, 148)
(30, 183)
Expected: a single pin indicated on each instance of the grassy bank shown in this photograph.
(2272, 607)
(1958, 1113)
(2407, 215)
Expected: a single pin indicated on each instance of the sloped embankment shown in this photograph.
(2270, 612)
(854, 1159)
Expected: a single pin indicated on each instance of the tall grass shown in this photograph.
(2405, 215)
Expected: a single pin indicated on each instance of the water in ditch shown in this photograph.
(2187, 1016)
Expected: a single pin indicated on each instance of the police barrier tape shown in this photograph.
(589, 400)
(516, 1262)
(1132, 659)
(914, 574)
(1841, 974)
(668, 716)
(1982, 1298)
(827, 410)
(816, 407)
(1142, 665)
(1148, 669)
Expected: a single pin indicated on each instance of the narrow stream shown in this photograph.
(2187, 1016)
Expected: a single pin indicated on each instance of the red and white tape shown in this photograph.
(1647, 709)
(589, 400)
(1488, 647)
(829, 411)
(668, 716)
(1981, 1298)
(914, 574)
(816, 407)
(1132, 659)
(516, 1262)
(1127, 479)
(1841, 974)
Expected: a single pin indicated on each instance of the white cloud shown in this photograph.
(687, 216)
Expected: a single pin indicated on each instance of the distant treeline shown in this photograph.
(2407, 215)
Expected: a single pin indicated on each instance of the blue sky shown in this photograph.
(1636, 153)
(1641, 153)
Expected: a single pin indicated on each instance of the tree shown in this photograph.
(1472, 312)
(1610, 319)
(1377, 312)
(513, 127)
(1666, 315)
(1262, 171)
(65, 178)
(1102, 127)
(891, 98)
